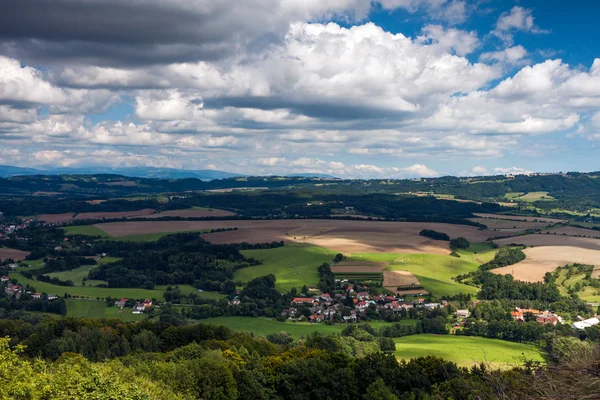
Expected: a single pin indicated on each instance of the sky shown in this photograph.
(351, 88)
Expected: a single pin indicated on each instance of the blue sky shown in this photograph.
(353, 88)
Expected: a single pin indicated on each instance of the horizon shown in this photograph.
(356, 89)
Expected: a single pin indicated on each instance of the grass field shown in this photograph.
(98, 309)
(588, 293)
(293, 265)
(76, 275)
(89, 230)
(265, 326)
(466, 350)
(434, 271)
(529, 197)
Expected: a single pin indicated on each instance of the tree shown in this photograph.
(378, 391)
(387, 345)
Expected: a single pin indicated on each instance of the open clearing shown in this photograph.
(520, 218)
(573, 231)
(293, 265)
(340, 235)
(266, 326)
(113, 215)
(546, 259)
(6, 253)
(56, 218)
(193, 213)
(466, 350)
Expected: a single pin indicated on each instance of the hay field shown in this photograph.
(344, 236)
(358, 267)
(6, 253)
(519, 218)
(546, 259)
(193, 213)
(393, 279)
(56, 218)
(111, 215)
(573, 231)
(551, 240)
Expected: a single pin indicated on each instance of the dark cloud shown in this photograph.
(130, 32)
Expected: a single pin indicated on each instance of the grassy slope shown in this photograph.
(265, 326)
(465, 350)
(587, 294)
(294, 265)
(98, 309)
(434, 271)
(76, 275)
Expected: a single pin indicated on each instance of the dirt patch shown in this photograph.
(546, 259)
(6, 253)
(519, 218)
(358, 267)
(393, 279)
(111, 215)
(345, 236)
(56, 218)
(193, 213)
(573, 231)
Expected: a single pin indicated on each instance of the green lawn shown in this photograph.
(466, 350)
(265, 326)
(294, 265)
(98, 309)
(435, 271)
(76, 275)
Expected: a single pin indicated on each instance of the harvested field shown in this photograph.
(358, 267)
(193, 213)
(596, 272)
(56, 218)
(546, 259)
(6, 253)
(394, 279)
(519, 218)
(508, 224)
(551, 240)
(573, 231)
(111, 215)
(345, 236)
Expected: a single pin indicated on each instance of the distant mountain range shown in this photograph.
(7, 171)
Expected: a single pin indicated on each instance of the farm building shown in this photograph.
(586, 323)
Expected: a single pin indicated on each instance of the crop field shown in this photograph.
(551, 240)
(573, 231)
(544, 259)
(503, 224)
(266, 326)
(520, 218)
(394, 279)
(56, 218)
(88, 230)
(340, 235)
(529, 197)
(359, 270)
(98, 309)
(111, 215)
(196, 212)
(293, 265)
(92, 230)
(466, 350)
(6, 253)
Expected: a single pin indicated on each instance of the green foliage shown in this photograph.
(459, 243)
(435, 235)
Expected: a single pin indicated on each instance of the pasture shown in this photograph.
(266, 326)
(520, 218)
(466, 350)
(529, 197)
(194, 212)
(87, 230)
(573, 231)
(97, 309)
(76, 275)
(345, 236)
(293, 265)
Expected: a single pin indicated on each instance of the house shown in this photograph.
(138, 308)
(432, 306)
(52, 297)
(349, 318)
(462, 313)
(235, 301)
(546, 319)
(36, 295)
(147, 303)
(12, 266)
(362, 296)
(120, 303)
(519, 313)
(302, 300)
(326, 297)
(316, 318)
(586, 323)
(4, 278)
(420, 300)
(58, 248)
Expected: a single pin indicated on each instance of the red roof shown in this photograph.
(123, 300)
(303, 299)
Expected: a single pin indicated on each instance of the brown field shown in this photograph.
(95, 201)
(56, 218)
(519, 218)
(110, 215)
(16, 255)
(551, 240)
(345, 236)
(47, 193)
(393, 279)
(358, 267)
(546, 259)
(596, 272)
(507, 224)
(192, 213)
(573, 231)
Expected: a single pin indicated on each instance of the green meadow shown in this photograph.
(266, 326)
(466, 350)
(293, 265)
(98, 309)
(88, 230)
(435, 271)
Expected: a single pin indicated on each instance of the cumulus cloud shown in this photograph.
(517, 19)
(512, 55)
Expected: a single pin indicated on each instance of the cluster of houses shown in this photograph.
(138, 308)
(16, 290)
(327, 307)
(585, 323)
(541, 317)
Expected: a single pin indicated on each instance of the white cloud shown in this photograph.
(518, 19)
(511, 55)
(512, 171)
